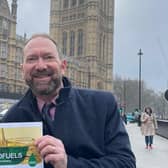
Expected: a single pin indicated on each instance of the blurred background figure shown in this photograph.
(137, 114)
(148, 126)
(124, 117)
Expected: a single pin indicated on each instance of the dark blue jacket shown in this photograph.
(88, 123)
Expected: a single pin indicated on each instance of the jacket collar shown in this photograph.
(64, 92)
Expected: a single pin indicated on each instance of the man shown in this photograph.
(86, 130)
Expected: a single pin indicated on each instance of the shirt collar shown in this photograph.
(40, 102)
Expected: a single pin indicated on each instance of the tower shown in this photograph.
(14, 8)
(84, 31)
(11, 46)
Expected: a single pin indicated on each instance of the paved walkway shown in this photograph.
(155, 158)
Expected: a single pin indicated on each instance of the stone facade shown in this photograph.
(84, 31)
(10, 50)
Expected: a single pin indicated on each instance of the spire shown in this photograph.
(14, 8)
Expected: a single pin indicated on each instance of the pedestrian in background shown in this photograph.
(138, 117)
(124, 117)
(148, 126)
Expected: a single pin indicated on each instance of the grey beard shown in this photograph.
(52, 87)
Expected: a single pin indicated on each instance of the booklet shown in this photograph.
(17, 149)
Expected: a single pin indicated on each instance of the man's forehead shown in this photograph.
(40, 47)
(39, 42)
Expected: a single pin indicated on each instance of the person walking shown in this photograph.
(85, 129)
(148, 126)
(124, 117)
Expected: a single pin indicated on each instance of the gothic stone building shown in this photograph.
(84, 32)
(10, 51)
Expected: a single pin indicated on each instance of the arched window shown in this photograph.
(72, 43)
(64, 43)
(3, 70)
(99, 85)
(104, 45)
(81, 2)
(73, 3)
(105, 6)
(100, 46)
(3, 50)
(65, 3)
(5, 29)
(101, 3)
(80, 42)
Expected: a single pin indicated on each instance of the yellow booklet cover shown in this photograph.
(17, 149)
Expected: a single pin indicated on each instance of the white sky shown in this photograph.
(142, 24)
(138, 24)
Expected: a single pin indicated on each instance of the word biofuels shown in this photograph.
(12, 155)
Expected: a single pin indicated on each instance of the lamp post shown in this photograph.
(140, 54)
(124, 96)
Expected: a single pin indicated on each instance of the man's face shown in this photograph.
(42, 67)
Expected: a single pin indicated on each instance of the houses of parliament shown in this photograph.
(84, 31)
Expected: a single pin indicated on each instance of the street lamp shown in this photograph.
(140, 54)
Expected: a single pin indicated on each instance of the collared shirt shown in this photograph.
(41, 103)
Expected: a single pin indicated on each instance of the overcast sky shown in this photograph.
(142, 24)
(138, 24)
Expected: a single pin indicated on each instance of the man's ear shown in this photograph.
(63, 66)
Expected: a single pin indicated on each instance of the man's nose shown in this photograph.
(41, 64)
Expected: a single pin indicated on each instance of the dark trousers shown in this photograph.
(149, 140)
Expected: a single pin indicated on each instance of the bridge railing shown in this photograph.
(162, 128)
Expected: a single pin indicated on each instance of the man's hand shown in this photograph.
(52, 151)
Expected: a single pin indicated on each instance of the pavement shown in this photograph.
(148, 158)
